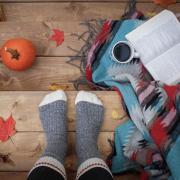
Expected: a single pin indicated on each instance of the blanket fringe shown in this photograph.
(93, 28)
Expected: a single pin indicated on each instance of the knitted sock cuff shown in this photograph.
(52, 163)
(90, 164)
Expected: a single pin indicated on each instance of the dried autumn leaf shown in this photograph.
(116, 115)
(58, 36)
(55, 86)
(164, 3)
(151, 14)
(7, 128)
(5, 158)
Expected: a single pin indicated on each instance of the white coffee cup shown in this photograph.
(123, 52)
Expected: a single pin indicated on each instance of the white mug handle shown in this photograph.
(136, 54)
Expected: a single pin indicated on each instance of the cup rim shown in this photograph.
(131, 49)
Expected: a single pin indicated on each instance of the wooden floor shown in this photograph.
(21, 92)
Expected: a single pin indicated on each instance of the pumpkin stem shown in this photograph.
(14, 53)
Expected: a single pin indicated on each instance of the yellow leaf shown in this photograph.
(55, 86)
(150, 14)
(117, 115)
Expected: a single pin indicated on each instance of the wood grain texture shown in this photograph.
(73, 11)
(13, 175)
(44, 72)
(39, 33)
(71, 176)
(24, 149)
(122, 1)
(34, 1)
(24, 108)
(26, 19)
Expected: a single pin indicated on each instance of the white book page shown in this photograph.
(166, 67)
(153, 23)
(155, 36)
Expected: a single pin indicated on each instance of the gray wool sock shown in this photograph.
(53, 118)
(89, 112)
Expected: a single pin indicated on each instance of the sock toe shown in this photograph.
(87, 97)
(52, 97)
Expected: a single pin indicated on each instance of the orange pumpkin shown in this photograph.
(18, 54)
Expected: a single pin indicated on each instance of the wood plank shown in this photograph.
(24, 108)
(71, 176)
(73, 11)
(45, 71)
(23, 155)
(35, 1)
(13, 175)
(40, 32)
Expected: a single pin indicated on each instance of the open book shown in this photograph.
(158, 43)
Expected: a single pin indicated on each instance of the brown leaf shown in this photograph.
(5, 158)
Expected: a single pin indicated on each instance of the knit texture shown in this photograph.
(89, 121)
(150, 139)
(53, 119)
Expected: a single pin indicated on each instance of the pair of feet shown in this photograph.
(89, 118)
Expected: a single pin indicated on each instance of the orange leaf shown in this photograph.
(164, 3)
(7, 128)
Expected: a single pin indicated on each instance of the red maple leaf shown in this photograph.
(58, 36)
(7, 128)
